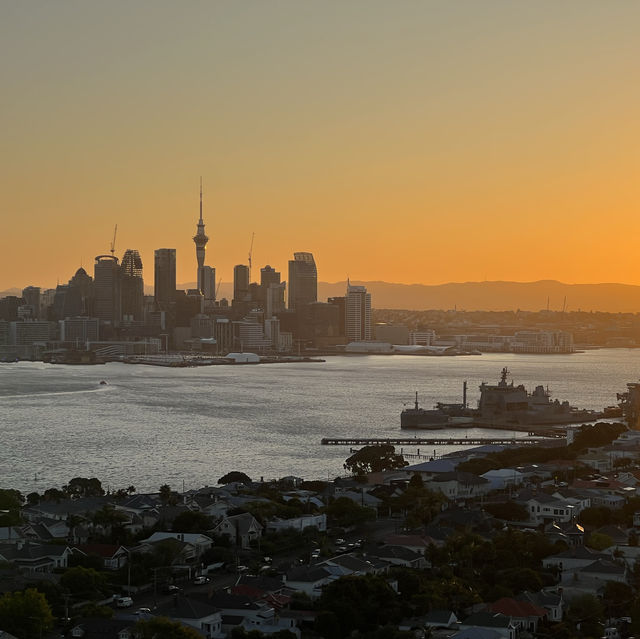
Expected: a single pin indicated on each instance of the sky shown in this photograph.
(412, 141)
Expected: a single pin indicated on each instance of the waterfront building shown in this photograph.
(357, 314)
(164, 277)
(249, 335)
(422, 338)
(107, 289)
(132, 286)
(339, 302)
(272, 332)
(240, 283)
(79, 330)
(200, 239)
(303, 280)
(28, 333)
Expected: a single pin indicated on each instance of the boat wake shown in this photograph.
(101, 388)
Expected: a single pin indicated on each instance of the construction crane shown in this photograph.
(113, 241)
(250, 254)
(218, 288)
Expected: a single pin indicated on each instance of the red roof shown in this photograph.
(515, 608)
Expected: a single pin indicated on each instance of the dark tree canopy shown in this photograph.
(374, 459)
(234, 476)
(25, 614)
(162, 628)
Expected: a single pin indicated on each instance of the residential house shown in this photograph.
(573, 558)
(309, 579)
(113, 557)
(459, 485)
(241, 529)
(495, 621)
(103, 629)
(36, 558)
(399, 556)
(198, 542)
(503, 478)
(525, 615)
(298, 523)
(552, 602)
(198, 614)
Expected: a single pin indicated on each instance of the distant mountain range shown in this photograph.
(477, 296)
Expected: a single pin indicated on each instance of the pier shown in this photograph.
(442, 441)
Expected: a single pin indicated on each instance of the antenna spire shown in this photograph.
(200, 198)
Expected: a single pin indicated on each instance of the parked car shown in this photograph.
(170, 589)
(124, 602)
(202, 579)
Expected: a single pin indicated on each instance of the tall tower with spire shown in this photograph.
(200, 240)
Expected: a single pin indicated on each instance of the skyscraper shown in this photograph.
(132, 286)
(268, 276)
(209, 283)
(357, 313)
(164, 277)
(107, 291)
(200, 240)
(303, 280)
(240, 283)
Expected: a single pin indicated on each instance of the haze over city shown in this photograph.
(420, 143)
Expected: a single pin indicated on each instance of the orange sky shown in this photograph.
(409, 142)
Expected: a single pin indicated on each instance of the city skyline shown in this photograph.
(426, 143)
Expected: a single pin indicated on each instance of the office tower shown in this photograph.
(200, 240)
(164, 277)
(107, 292)
(132, 286)
(268, 276)
(303, 280)
(357, 313)
(80, 294)
(209, 283)
(240, 283)
(274, 301)
(31, 296)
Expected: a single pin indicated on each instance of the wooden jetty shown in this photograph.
(442, 441)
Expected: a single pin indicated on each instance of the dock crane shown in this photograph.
(113, 242)
(250, 254)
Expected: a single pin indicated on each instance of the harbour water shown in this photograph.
(189, 426)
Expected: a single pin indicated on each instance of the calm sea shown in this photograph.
(188, 427)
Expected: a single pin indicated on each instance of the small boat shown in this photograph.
(103, 383)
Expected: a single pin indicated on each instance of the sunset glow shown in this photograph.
(406, 142)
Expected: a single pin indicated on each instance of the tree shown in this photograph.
(599, 541)
(83, 487)
(234, 476)
(168, 496)
(163, 628)
(25, 614)
(358, 603)
(192, 521)
(10, 500)
(374, 459)
(85, 583)
(345, 512)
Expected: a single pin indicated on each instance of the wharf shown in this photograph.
(442, 441)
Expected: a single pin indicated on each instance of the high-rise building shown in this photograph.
(357, 313)
(107, 291)
(31, 296)
(200, 239)
(164, 277)
(274, 301)
(303, 280)
(268, 276)
(240, 283)
(209, 283)
(132, 286)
